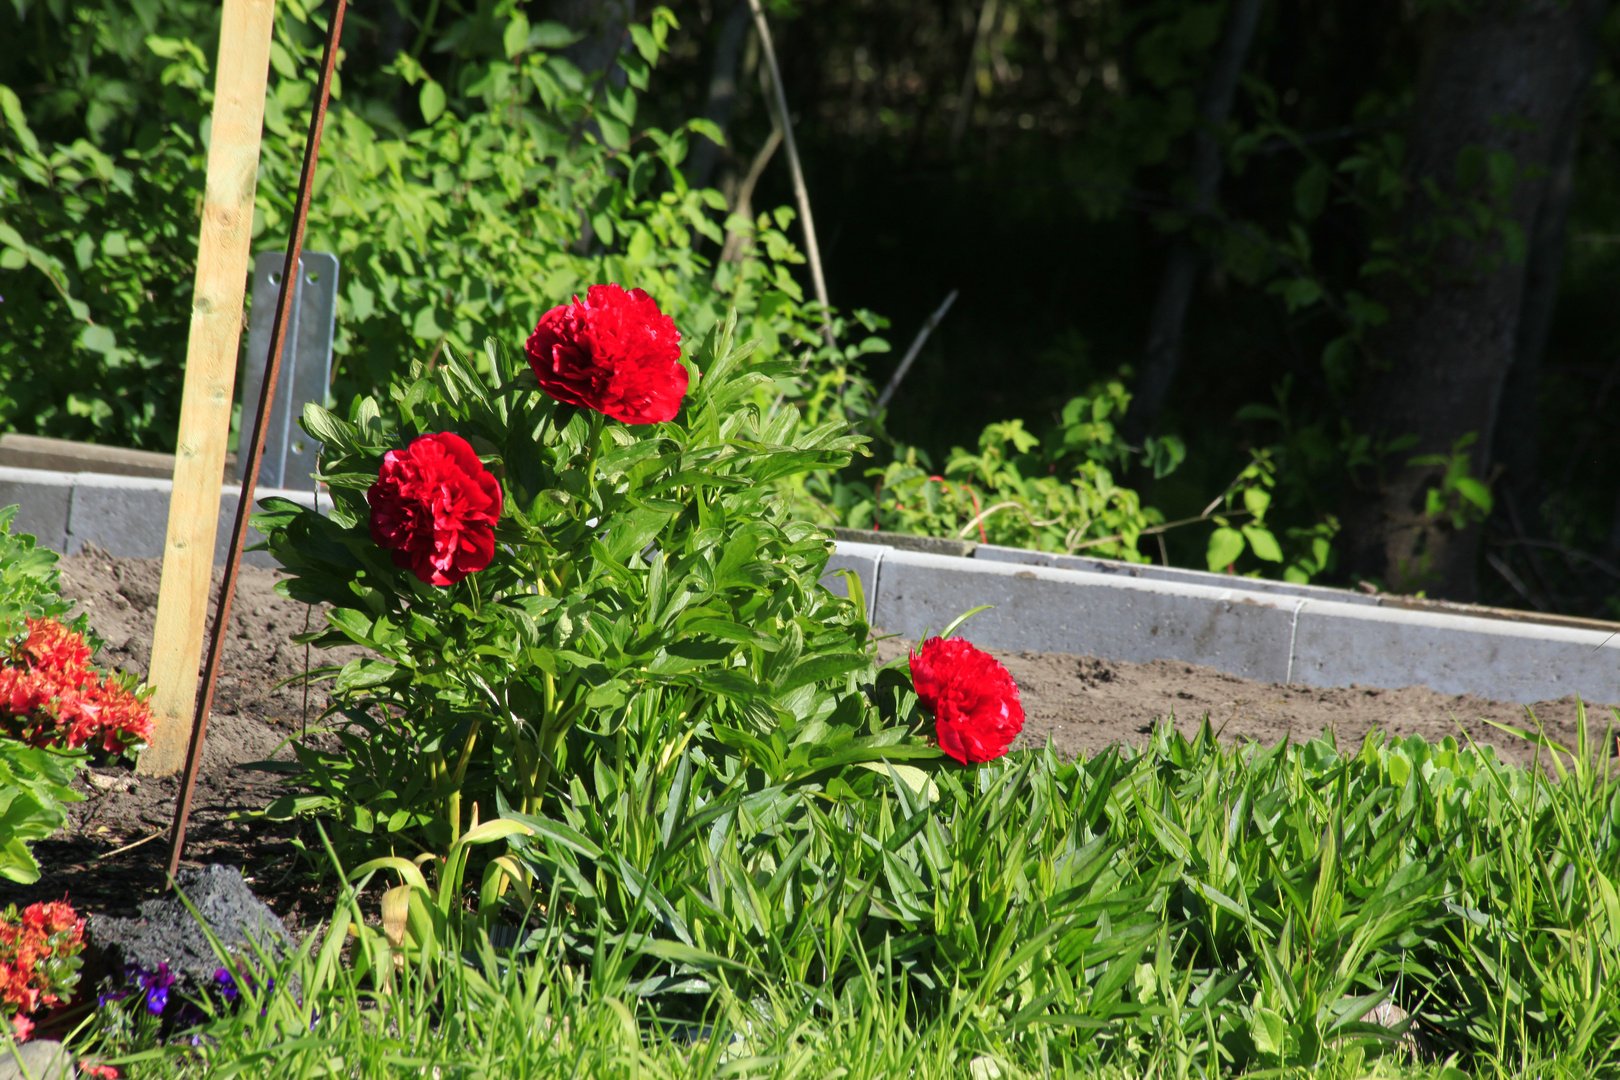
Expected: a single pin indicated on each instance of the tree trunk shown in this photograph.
(1497, 80)
(605, 24)
(1163, 354)
(1516, 447)
(722, 92)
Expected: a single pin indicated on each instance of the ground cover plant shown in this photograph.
(1187, 910)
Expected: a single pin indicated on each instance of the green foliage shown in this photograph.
(34, 783)
(1052, 494)
(98, 252)
(528, 180)
(649, 589)
(1248, 497)
(28, 583)
(1188, 910)
(1456, 497)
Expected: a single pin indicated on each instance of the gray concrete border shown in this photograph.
(125, 516)
(1267, 631)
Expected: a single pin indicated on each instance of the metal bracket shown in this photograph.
(306, 363)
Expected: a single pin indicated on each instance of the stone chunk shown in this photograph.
(166, 933)
(41, 1059)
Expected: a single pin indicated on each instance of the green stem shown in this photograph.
(619, 739)
(546, 744)
(525, 769)
(466, 750)
(453, 803)
(452, 799)
(426, 31)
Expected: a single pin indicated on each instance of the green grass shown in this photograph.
(1187, 911)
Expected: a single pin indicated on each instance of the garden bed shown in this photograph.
(253, 717)
(1082, 704)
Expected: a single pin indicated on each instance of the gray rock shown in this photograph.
(166, 933)
(41, 1059)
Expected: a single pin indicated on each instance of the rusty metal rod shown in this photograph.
(250, 468)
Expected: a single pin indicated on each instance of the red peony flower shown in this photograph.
(973, 699)
(615, 353)
(436, 506)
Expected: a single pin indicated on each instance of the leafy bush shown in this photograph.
(1055, 493)
(94, 332)
(528, 181)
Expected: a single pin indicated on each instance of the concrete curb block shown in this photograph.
(125, 516)
(1268, 631)
(1308, 635)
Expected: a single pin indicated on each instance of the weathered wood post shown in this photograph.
(223, 249)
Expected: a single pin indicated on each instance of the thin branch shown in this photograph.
(911, 353)
(812, 250)
(1154, 530)
(129, 847)
(1278, 143)
(964, 100)
(1569, 553)
(744, 203)
(426, 31)
(1009, 505)
(1501, 567)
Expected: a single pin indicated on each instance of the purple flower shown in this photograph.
(154, 984)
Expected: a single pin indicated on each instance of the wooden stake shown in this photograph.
(223, 250)
(291, 267)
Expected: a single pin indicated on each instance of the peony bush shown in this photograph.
(595, 632)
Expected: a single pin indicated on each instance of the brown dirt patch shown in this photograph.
(253, 718)
(1083, 705)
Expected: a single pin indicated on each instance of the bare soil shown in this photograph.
(110, 856)
(1083, 705)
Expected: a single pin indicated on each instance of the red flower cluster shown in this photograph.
(435, 505)
(973, 699)
(38, 959)
(616, 353)
(51, 696)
